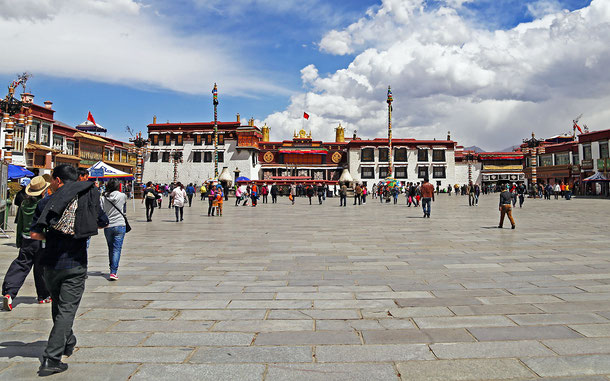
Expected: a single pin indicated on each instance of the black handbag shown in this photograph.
(127, 226)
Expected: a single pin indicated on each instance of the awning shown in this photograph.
(109, 172)
(596, 177)
(305, 151)
(33, 146)
(67, 157)
(17, 172)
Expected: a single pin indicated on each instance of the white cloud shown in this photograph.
(117, 41)
(490, 88)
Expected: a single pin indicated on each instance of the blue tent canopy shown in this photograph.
(242, 178)
(17, 172)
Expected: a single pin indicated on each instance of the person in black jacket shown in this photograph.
(65, 220)
(274, 192)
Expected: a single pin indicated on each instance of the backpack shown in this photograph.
(65, 224)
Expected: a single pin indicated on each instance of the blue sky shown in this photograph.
(269, 45)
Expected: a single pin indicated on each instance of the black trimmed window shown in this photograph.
(383, 172)
(165, 157)
(438, 155)
(422, 155)
(209, 139)
(401, 172)
(197, 157)
(207, 157)
(367, 173)
(384, 154)
(198, 139)
(422, 172)
(221, 157)
(154, 157)
(167, 140)
(221, 139)
(367, 154)
(154, 140)
(400, 154)
(179, 139)
(439, 172)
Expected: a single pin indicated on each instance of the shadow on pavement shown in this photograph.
(10, 349)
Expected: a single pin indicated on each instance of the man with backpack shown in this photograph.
(65, 220)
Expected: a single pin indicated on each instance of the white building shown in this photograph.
(237, 151)
(412, 160)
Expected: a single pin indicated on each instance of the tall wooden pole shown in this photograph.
(390, 100)
(215, 101)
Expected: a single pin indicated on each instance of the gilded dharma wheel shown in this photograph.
(268, 157)
(336, 157)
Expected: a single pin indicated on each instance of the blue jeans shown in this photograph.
(114, 239)
(425, 204)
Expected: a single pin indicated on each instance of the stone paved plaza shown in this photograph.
(375, 292)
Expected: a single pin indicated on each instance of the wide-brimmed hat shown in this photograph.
(37, 186)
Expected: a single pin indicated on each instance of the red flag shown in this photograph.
(577, 126)
(305, 115)
(90, 118)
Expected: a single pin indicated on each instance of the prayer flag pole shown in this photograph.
(215, 101)
(390, 100)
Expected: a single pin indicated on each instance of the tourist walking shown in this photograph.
(427, 191)
(343, 195)
(203, 190)
(265, 192)
(506, 207)
(219, 201)
(254, 195)
(358, 194)
(471, 194)
(190, 192)
(30, 250)
(113, 204)
(274, 192)
(65, 221)
(364, 193)
(293, 192)
(150, 198)
(321, 193)
(374, 191)
(178, 197)
(477, 193)
(309, 193)
(238, 193)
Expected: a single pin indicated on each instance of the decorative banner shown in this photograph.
(215, 95)
(305, 115)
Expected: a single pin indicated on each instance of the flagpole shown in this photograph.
(215, 101)
(390, 100)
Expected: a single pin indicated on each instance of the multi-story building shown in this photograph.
(593, 151)
(192, 145)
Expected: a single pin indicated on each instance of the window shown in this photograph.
(383, 172)
(167, 140)
(198, 139)
(165, 157)
(562, 158)
(438, 155)
(400, 154)
(70, 148)
(367, 173)
(367, 154)
(179, 140)
(154, 157)
(34, 133)
(575, 158)
(422, 155)
(197, 157)
(207, 157)
(422, 172)
(58, 142)
(546, 160)
(401, 172)
(19, 135)
(586, 152)
(221, 139)
(209, 139)
(438, 172)
(603, 150)
(384, 155)
(154, 139)
(221, 157)
(44, 134)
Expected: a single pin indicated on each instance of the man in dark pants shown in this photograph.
(343, 195)
(65, 220)
(274, 192)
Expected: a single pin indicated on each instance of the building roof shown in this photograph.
(90, 136)
(594, 136)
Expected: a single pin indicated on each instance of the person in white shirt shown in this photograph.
(179, 196)
(557, 190)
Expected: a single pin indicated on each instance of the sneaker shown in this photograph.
(49, 367)
(45, 300)
(113, 277)
(7, 302)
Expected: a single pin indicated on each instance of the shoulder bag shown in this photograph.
(127, 226)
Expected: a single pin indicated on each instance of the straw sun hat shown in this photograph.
(37, 186)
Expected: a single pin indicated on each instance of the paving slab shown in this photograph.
(495, 349)
(373, 353)
(479, 369)
(580, 346)
(211, 372)
(307, 338)
(569, 365)
(523, 333)
(256, 354)
(77, 372)
(331, 372)
(413, 336)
